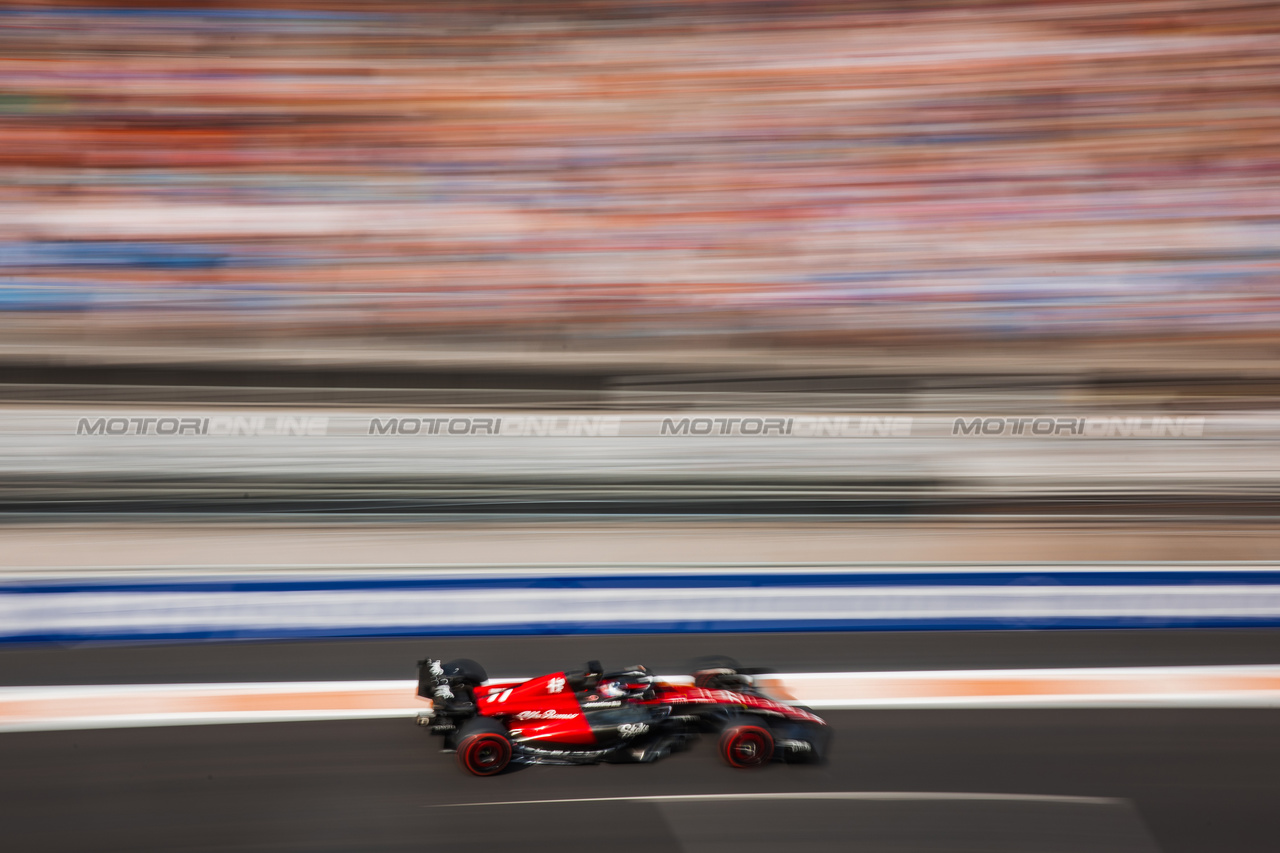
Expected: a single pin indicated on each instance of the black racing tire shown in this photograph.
(484, 748)
(716, 662)
(746, 743)
(716, 672)
(466, 671)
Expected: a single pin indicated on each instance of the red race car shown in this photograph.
(591, 716)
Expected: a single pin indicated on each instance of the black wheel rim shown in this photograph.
(486, 754)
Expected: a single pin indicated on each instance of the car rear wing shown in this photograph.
(432, 683)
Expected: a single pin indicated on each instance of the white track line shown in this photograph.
(91, 691)
(62, 707)
(144, 721)
(878, 796)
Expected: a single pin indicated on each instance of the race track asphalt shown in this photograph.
(372, 659)
(1169, 780)
(1180, 781)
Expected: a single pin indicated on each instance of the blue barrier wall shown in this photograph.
(375, 602)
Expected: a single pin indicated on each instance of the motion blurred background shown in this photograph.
(700, 183)
(914, 211)
(917, 208)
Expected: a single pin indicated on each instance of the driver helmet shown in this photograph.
(632, 683)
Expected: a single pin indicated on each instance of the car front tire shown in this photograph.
(746, 744)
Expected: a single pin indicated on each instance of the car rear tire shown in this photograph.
(484, 748)
(746, 744)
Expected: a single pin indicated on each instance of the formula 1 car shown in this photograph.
(628, 716)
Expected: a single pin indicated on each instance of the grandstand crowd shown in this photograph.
(840, 171)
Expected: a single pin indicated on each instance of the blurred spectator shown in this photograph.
(1004, 168)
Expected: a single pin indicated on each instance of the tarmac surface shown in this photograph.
(503, 657)
(1155, 780)
(1000, 780)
